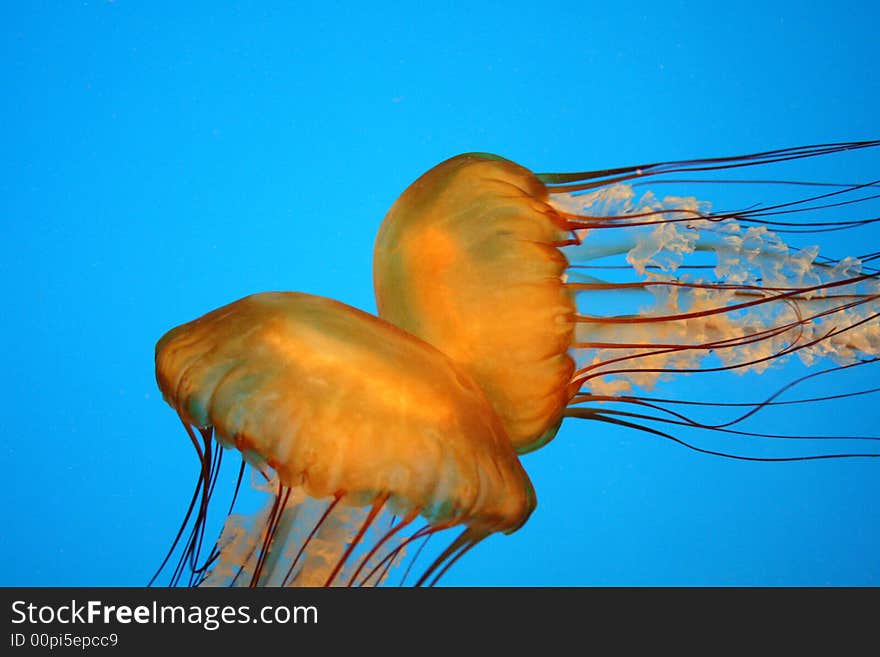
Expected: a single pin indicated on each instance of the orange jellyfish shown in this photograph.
(558, 290)
(355, 428)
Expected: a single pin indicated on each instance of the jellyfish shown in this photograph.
(354, 429)
(576, 295)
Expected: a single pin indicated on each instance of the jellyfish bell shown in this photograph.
(559, 290)
(467, 259)
(347, 419)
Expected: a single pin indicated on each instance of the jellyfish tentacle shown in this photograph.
(754, 407)
(560, 181)
(182, 528)
(415, 558)
(684, 420)
(237, 488)
(464, 550)
(737, 340)
(385, 538)
(602, 416)
(214, 460)
(278, 506)
(456, 544)
(374, 510)
(469, 537)
(426, 531)
(336, 499)
(583, 377)
(208, 473)
(656, 402)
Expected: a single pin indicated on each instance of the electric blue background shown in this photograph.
(160, 159)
